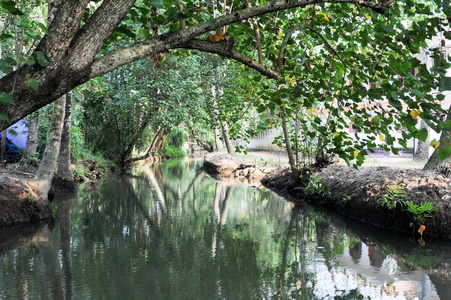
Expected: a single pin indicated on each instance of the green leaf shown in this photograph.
(5, 36)
(394, 95)
(34, 84)
(438, 70)
(43, 28)
(7, 64)
(418, 93)
(423, 134)
(29, 61)
(43, 60)
(395, 150)
(443, 152)
(157, 3)
(388, 28)
(395, 103)
(3, 116)
(10, 6)
(440, 97)
(409, 121)
(446, 83)
(5, 97)
(13, 132)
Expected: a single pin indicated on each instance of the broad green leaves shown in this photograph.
(4, 97)
(10, 7)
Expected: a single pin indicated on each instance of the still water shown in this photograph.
(172, 232)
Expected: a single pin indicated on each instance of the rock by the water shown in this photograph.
(224, 164)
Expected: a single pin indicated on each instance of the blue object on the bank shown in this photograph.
(12, 151)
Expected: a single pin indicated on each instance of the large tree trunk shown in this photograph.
(32, 139)
(47, 167)
(422, 149)
(64, 162)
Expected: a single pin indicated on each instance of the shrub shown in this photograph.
(173, 145)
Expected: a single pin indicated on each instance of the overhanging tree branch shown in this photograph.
(75, 65)
(225, 49)
(176, 39)
(280, 57)
(91, 37)
(62, 29)
(329, 46)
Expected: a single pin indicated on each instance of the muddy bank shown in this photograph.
(19, 203)
(363, 195)
(375, 195)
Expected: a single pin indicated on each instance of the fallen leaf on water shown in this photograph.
(421, 229)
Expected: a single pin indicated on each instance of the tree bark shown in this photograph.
(155, 140)
(32, 139)
(434, 161)
(286, 135)
(217, 140)
(422, 150)
(47, 167)
(4, 148)
(64, 162)
(125, 156)
(225, 135)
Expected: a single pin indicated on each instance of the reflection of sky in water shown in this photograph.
(163, 235)
(386, 282)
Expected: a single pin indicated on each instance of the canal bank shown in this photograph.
(380, 196)
(117, 238)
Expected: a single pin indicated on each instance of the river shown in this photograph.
(172, 232)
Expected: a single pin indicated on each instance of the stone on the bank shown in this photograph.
(224, 164)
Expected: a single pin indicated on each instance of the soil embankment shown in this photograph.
(19, 202)
(374, 195)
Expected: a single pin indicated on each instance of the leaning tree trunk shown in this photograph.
(47, 167)
(434, 161)
(64, 163)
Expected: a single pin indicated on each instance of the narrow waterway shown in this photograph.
(172, 232)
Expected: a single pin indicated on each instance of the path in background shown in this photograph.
(277, 158)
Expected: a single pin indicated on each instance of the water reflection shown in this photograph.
(171, 232)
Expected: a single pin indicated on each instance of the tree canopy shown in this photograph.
(332, 55)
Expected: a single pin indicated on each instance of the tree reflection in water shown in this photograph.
(172, 232)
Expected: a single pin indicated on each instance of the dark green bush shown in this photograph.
(173, 145)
